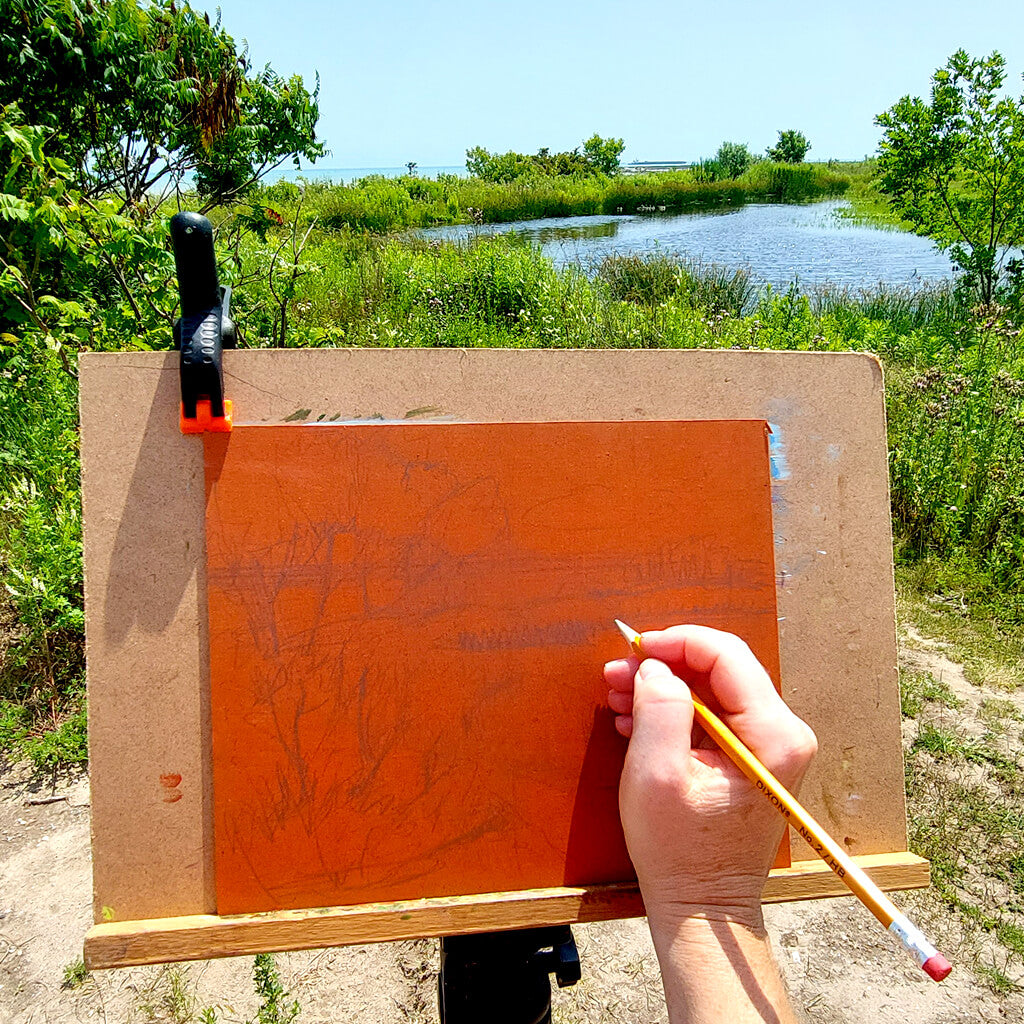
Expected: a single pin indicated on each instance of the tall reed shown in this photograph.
(652, 278)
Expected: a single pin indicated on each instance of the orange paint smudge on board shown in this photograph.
(169, 782)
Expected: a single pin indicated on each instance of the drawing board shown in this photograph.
(153, 727)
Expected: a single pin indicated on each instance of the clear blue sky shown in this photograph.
(425, 80)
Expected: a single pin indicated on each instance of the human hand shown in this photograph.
(700, 836)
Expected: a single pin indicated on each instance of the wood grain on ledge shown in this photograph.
(204, 936)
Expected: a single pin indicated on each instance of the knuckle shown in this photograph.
(804, 745)
(736, 646)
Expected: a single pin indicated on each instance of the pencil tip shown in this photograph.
(628, 632)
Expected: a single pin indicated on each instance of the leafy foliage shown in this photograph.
(275, 1005)
(133, 96)
(40, 526)
(954, 167)
(791, 148)
(74, 271)
(603, 154)
(957, 458)
(65, 744)
(599, 156)
(101, 102)
(733, 158)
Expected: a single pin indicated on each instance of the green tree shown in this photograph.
(791, 148)
(73, 270)
(498, 167)
(114, 103)
(135, 96)
(104, 106)
(733, 158)
(603, 154)
(599, 156)
(954, 167)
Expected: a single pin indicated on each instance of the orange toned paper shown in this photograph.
(407, 628)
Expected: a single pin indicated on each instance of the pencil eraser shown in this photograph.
(937, 967)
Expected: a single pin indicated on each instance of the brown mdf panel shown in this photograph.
(146, 629)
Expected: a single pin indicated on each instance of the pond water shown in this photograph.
(811, 244)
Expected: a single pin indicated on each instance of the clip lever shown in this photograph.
(204, 328)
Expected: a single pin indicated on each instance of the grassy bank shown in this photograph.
(866, 204)
(955, 402)
(382, 205)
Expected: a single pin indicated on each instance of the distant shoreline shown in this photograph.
(344, 175)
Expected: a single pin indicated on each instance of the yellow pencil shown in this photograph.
(934, 964)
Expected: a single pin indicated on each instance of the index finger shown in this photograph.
(749, 702)
(735, 677)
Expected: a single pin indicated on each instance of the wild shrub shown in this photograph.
(43, 661)
(652, 278)
(956, 433)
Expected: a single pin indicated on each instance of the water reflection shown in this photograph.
(811, 244)
(563, 230)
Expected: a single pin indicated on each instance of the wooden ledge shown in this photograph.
(204, 936)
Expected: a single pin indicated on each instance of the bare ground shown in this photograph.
(841, 968)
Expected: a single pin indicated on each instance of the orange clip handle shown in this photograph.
(204, 421)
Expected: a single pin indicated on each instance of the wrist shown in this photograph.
(716, 964)
(731, 899)
(676, 921)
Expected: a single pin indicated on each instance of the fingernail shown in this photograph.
(651, 668)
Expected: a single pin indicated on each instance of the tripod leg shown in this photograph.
(502, 977)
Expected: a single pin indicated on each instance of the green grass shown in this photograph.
(75, 975)
(945, 743)
(971, 836)
(990, 650)
(381, 205)
(1000, 984)
(994, 712)
(1012, 937)
(965, 797)
(955, 390)
(916, 688)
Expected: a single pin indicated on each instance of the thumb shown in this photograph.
(662, 713)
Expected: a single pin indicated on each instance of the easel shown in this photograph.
(834, 580)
